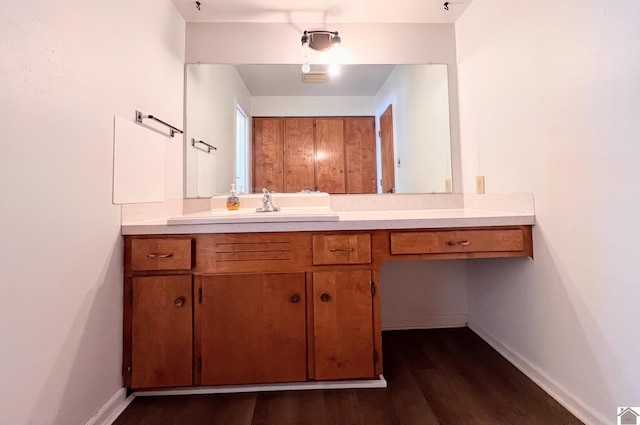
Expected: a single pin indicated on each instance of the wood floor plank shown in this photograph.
(410, 404)
(438, 376)
(487, 385)
(220, 409)
(290, 408)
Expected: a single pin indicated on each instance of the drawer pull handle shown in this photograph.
(294, 298)
(153, 255)
(461, 243)
(341, 249)
(324, 298)
(179, 302)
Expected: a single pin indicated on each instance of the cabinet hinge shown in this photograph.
(129, 368)
(131, 296)
(375, 356)
(200, 295)
(373, 289)
(199, 364)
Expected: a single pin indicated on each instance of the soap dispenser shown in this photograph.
(233, 202)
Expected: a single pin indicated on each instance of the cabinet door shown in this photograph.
(267, 154)
(162, 332)
(330, 155)
(343, 324)
(361, 155)
(253, 328)
(298, 154)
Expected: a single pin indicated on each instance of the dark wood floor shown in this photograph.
(438, 376)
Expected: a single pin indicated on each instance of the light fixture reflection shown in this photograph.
(321, 41)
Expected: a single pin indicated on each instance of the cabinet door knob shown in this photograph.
(324, 298)
(179, 302)
(294, 298)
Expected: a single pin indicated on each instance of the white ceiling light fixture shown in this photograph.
(321, 41)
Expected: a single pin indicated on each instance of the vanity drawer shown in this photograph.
(342, 249)
(454, 241)
(253, 252)
(161, 254)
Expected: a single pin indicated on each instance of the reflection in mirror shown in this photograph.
(221, 101)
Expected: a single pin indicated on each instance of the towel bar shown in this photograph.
(172, 130)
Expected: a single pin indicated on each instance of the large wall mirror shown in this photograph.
(410, 102)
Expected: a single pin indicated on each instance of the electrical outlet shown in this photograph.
(447, 185)
(480, 185)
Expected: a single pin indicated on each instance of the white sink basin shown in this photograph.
(249, 215)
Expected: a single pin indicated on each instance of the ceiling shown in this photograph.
(325, 11)
(286, 80)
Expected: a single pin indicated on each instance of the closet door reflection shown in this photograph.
(298, 154)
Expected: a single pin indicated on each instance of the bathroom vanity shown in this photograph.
(256, 303)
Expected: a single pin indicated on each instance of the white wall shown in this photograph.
(423, 294)
(301, 106)
(420, 99)
(280, 42)
(549, 104)
(67, 68)
(212, 94)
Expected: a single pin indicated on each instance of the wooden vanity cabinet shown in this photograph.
(250, 308)
(252, 328)
(162, 331)
(343, 335)
(158, 312)
(343, 307)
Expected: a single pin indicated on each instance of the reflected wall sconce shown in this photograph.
(321, 41)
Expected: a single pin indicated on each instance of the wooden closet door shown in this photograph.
(268, 154)
(298, 154)
(361, 155)
(330, 155)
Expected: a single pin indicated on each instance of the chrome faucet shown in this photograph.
(267, 202)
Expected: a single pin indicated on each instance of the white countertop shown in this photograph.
(348, 220)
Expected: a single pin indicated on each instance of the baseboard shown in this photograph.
(569, 401)
(295, 386)
(110, 411)
(431, 322)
